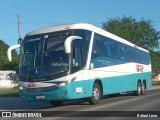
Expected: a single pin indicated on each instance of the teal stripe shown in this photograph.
(117, 84)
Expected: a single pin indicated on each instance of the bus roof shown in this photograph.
(82, 26)
(60, 28)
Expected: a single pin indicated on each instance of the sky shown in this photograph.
(35, 14)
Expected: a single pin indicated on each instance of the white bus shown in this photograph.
(76, 61)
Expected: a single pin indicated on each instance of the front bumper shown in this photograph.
(62, 93)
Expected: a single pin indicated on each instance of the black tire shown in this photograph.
(56, 103)
(143, 88)
(138, 92)
(96, 94)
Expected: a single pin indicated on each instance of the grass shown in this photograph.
(9, 92)
(155, 83)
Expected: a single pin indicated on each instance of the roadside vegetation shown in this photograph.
(9, 92)
(155, 83)
(4, 63)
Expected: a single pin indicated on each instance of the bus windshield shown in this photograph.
(43, 57)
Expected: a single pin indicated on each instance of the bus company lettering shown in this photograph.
(31, 85)
(139, 68)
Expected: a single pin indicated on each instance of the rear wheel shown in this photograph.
(96, 94)
(139, 90)
(56, 103)
(143, 88)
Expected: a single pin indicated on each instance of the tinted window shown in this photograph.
(77, 59)
(86, 36)
(112, 49)
(122, 52)
(129, 54)
(99, 46)
(104, 46)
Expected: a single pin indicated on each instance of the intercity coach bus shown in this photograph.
(75, 61)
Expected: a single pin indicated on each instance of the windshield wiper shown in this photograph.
(43, 49)
(33, 63)
(35, 55)
(30, 68)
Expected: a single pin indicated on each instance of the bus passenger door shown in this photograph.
(77, 69)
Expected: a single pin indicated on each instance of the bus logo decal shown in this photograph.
(31, 85)
(139, 68)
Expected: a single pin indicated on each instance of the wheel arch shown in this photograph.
(99, 81)
(139, 80)
(145, 84)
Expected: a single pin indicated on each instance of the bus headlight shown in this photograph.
(66, 82)
(20, 88)
(63, 84)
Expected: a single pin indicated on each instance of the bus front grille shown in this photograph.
(40, 89)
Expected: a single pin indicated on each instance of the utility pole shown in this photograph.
(19, 30)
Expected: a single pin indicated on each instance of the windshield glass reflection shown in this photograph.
(43, 56)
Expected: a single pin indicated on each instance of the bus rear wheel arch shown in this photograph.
(138, 91)
(96, 93)
(143, 86)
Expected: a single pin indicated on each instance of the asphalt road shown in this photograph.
(150, 102)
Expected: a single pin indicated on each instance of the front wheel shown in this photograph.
(96, 94)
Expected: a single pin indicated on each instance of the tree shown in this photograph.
(4, 63)
(141, 33)
(155, 60)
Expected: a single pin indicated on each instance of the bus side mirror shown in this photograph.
(68, 41)
(9, 51)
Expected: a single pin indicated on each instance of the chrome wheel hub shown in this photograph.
(139, 89)
(96, 93)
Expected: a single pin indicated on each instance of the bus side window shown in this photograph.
(129, 54)
(77, 62)
(112, 49)
(94, 51)
(99, 47)
(86, 36)
(123, 52)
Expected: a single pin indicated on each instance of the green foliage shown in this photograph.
(155, 59)
(9, 92)
(4, 63)
(155, 83)
(141, 33)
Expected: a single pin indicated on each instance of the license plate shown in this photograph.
(40, 97)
